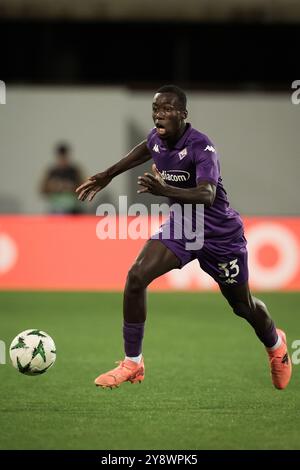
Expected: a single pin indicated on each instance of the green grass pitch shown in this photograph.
(207, 382)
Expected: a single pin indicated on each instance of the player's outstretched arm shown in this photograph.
(138, 155)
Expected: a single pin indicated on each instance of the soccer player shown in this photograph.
(186, 169)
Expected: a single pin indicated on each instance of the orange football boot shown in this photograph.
(280, 363)
(127, 371)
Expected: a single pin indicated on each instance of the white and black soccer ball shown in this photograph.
(32, 352)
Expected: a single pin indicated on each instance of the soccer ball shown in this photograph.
(32, 352)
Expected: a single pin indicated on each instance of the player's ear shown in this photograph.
(184, 114)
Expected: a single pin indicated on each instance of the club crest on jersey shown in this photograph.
(156, 148)
(175, 175)
(182, 154)
(210, 148)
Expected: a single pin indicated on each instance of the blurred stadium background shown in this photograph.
(85, 73)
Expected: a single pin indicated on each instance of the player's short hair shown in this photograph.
(181, 96)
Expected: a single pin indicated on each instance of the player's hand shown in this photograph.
(92, 186)
(153, 184)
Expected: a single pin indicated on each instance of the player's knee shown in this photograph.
(135, 279)
(242, 309)
(259, 304)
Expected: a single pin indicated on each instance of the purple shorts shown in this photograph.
(226, 260)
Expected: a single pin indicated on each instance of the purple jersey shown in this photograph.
(194, 159)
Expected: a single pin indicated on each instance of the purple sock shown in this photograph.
(133, 334)
(269, 337)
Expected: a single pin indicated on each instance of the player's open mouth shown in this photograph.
(160, 129)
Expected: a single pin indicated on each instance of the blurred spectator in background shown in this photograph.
(60, 182)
